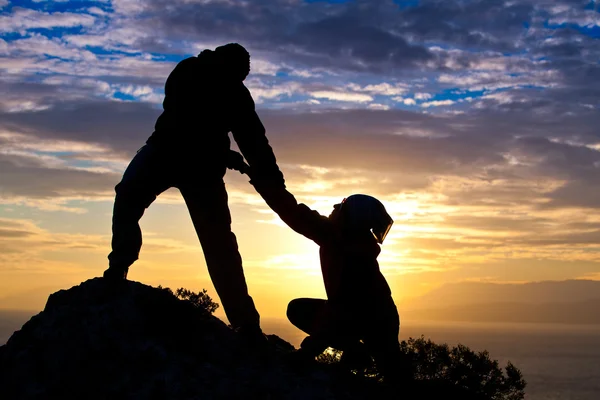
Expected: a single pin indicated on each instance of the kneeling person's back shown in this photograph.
(349, 241)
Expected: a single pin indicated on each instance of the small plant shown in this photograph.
(466, 368)
(200, 300)
(329, 356)
(473, 371)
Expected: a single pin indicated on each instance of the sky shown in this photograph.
(474, 122)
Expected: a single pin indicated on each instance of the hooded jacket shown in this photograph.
(201, 106)
(351, 274)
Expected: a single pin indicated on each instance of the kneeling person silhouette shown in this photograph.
(359, 316)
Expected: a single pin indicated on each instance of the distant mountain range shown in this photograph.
(570, 302)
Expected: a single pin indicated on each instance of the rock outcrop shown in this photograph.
(133, 341)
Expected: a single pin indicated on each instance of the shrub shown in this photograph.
(329, 356)
(459, 366)
(200, 300)
(464, 367)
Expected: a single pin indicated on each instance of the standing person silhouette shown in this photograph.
(205, 99)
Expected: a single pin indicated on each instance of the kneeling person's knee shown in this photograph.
(293, 310)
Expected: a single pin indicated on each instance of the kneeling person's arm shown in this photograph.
(299, 217)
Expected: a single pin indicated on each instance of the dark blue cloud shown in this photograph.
(528, 85)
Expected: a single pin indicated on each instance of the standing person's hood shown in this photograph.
(218, 63)
(208, 59)
(206, 54)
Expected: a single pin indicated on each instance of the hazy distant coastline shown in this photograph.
(560, 313)
(566, 302)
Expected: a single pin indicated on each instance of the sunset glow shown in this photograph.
(481, 140)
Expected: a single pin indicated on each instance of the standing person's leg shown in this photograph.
(144, 179)
(207, 204)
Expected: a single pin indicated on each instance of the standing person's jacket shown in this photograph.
(201, 106)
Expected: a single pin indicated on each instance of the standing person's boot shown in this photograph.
(305, 357)
(253, 337)
(116, 274)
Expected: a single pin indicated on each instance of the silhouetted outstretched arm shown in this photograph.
(299, 217)
(250, 135)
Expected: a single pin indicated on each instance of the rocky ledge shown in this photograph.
(132, 341)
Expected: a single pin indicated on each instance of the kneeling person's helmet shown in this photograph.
(366, 212)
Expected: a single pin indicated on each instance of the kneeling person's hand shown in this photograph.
(236, 162)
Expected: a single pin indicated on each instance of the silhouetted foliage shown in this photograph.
(464, 367)
(200, 300)
(329, 356)
(459, 365)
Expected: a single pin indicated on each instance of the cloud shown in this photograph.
(31, 178)
(476, 25)
(31, 46)
(342, 96)
(334, 40)
(422, 96)
(124, 127)
(6, 233)
(437, 103)
(377, 106)
(128, 7)
(477, 145)
(383, 89)
(563, 14)
(25, 247)
(261, 91)
(97, 11)
(351, 38)
(27, 254)
(502, 170)
(491, 80)
(24, 19)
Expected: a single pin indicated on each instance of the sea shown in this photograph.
(559, 362)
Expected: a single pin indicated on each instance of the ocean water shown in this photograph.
(559, 362)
